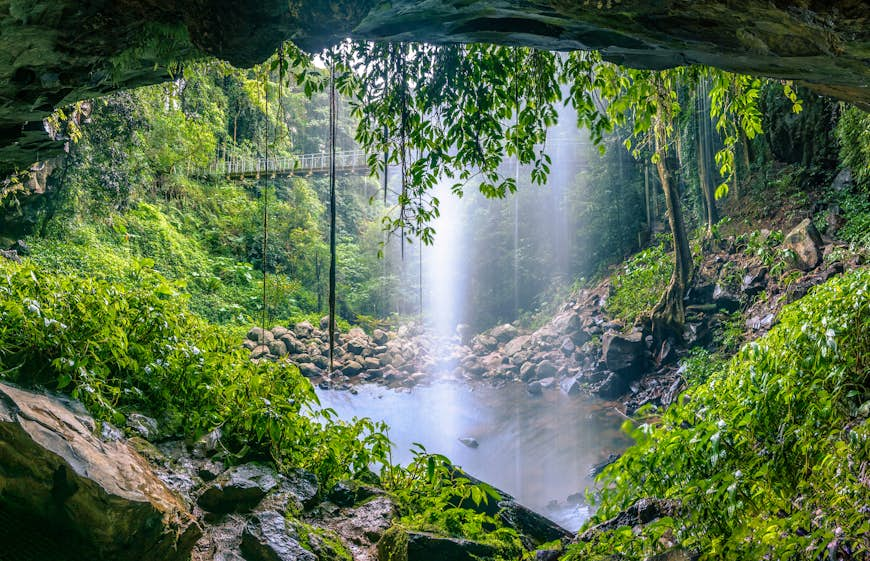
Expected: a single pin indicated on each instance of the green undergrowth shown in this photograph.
(325, 542)
(768, 455)
(206, 239)
(435, 496)
(639, 284)
(136, 346)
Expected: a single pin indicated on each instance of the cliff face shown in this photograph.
(57, 51)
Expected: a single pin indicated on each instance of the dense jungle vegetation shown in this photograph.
(139, 275)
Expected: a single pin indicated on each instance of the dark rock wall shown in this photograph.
(58, 51)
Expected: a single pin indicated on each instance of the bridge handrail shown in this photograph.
(302, 163)
(317, 161)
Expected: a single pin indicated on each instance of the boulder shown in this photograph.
(612, 386)
(259, 335)
(535, 388)
(527, 371)
(309, 369)
(503, 333)
(356, 346)
(259, 352)
(804, 240)
(547, 382)
(469, 441)
(547, 555)
(362, 526)
(357, 333)
(399, 544)
(303, 329)
(352, 368)
(754, 281)
(484, 343)
(571, 386)
(724, 299)
(296, 491)
(371, 363)
(146, 427)
(250, 345)
(580, 337)
(643, 511)
(515, 345)
(207, 444)
(380, 337)
(567, 346)
(239, 489)
(347, 493)
(277, 347)
(279, 331)
(533, 528)
(545, 369)
(60, 481)
(267, 538)
(623, 352)
(565, 322)
(597, 468)
(220, 542)
(293, 345)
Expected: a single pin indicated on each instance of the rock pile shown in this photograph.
(579, 350)
(401, 357)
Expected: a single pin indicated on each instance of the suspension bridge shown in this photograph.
(346, 162)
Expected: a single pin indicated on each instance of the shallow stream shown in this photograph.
(538, 448)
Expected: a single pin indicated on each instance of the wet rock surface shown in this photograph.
(238, 489)
(423, 546)
(266, 537)
(137, 500)
(102, 493)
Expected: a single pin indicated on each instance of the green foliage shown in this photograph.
(853, 133)
(437, 496)
(765, 457)
(768, 248)
(639, 284)
(136, 346)
(729, 334)
(447, 111)
(325, 542)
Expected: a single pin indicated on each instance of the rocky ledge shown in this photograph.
(60, 51)
(71, 489)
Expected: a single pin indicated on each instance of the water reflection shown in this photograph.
(538, 448)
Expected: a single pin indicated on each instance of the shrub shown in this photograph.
(768, 458)
(640, 283)
(136, 346)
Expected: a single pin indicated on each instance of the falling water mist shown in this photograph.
(492, 261)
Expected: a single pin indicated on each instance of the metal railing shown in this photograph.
(346, 160)
(355, 161)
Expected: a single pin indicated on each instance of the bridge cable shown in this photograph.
(516, 184)
(332, 253)
(265, 187)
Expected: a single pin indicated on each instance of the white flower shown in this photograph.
(721, 424)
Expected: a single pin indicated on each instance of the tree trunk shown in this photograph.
(745, 145)
(669, 315)
(706, 185)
